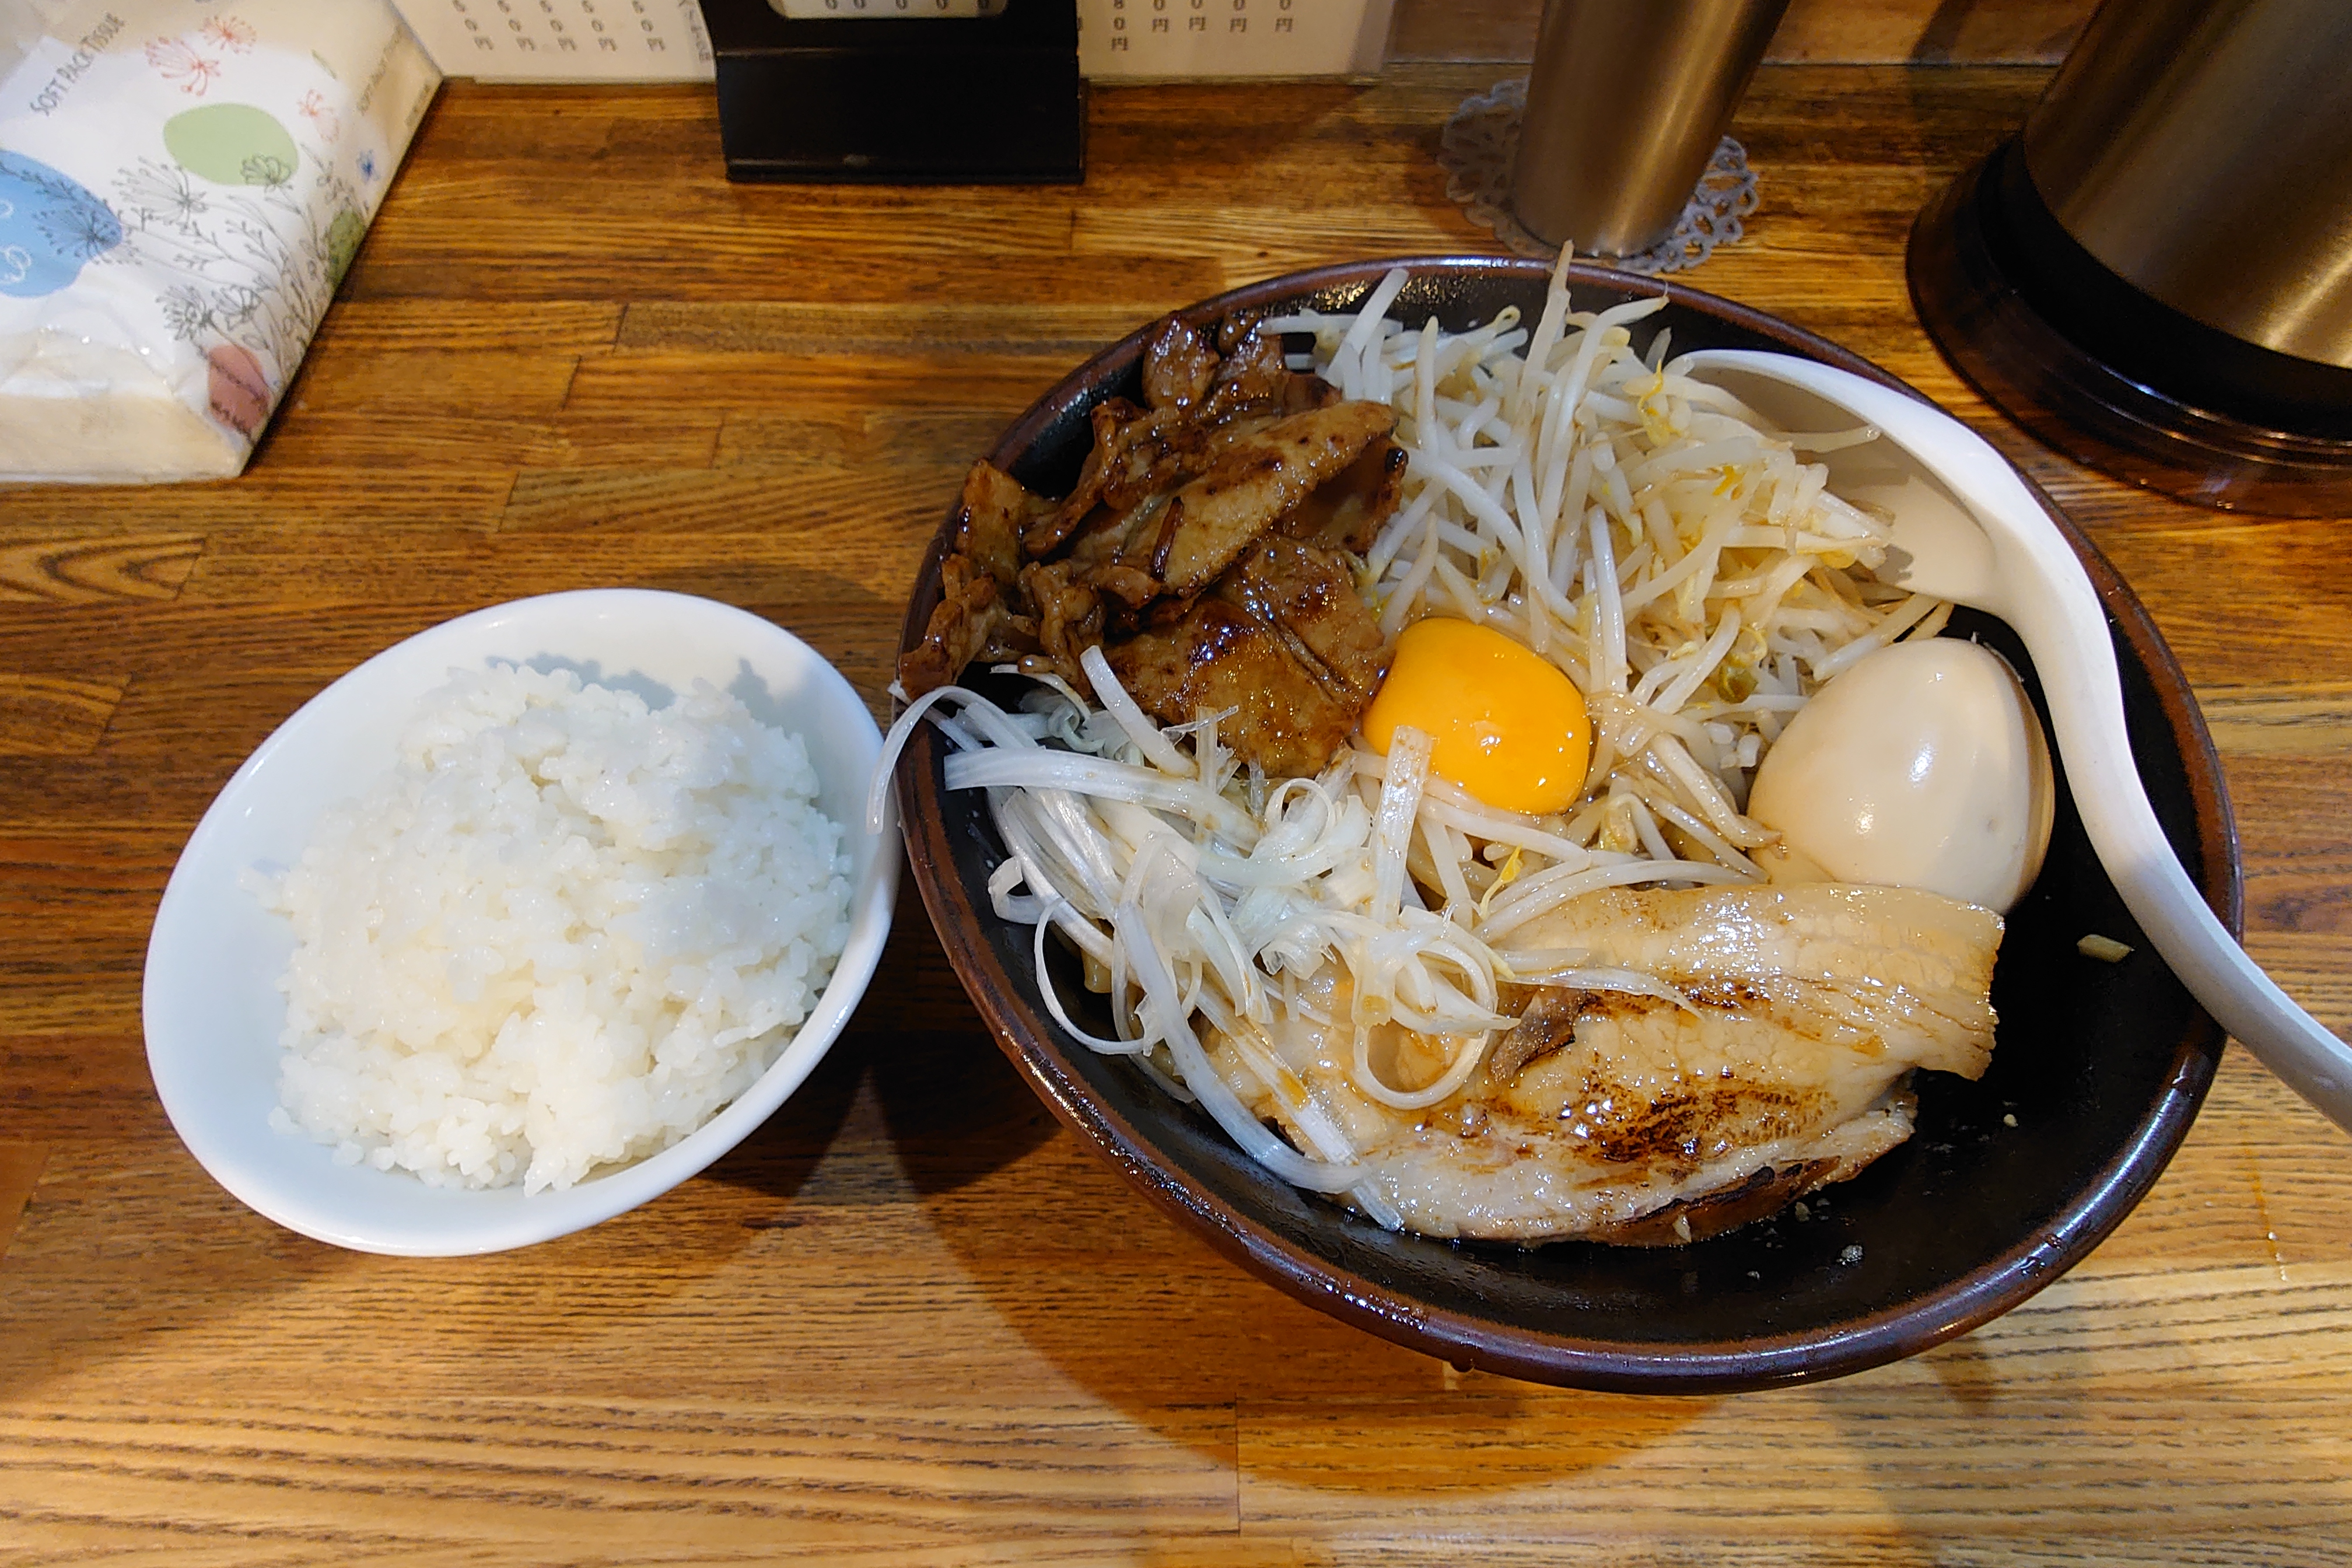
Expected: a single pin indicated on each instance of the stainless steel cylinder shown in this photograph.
(1625, 104)
(2202, 151)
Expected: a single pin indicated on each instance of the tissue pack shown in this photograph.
(182, 183)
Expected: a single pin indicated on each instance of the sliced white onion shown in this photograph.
(1447, 1085)
(1038, 768)
(1261, 1142)
(1407, 770)
(1140, 729)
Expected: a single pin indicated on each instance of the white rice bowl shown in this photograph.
(214, 1008)
(561, 934)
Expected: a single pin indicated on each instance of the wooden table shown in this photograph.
(910, 1319)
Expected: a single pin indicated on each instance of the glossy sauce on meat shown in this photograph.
(1205, 547)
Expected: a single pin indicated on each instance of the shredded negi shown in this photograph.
(1640, 530)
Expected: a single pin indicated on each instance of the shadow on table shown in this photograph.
(188, 1262)
(1152, 1322)
(778, 1157)
(956, 1111)
(176, 1256)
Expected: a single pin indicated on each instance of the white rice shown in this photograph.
(563, 933)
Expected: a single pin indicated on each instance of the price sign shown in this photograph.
(566, 40)
(1231, 37)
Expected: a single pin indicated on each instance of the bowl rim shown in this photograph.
(176, 1045)
(1760, 1361)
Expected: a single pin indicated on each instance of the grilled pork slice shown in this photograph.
(1284, 643)
(976, 616)
(1777, 1064)
(1224, 463)
(1309, 595)
(1346, 513)
(1197, 409)
(1254, 481)
(1179, 365)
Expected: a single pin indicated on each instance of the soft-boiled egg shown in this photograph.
(1921, 766)
(1505, 724)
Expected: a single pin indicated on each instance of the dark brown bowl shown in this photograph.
(2007, 1182)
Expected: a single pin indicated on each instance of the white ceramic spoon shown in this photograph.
(1974, 534)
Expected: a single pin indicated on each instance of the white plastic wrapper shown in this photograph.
(182, 183)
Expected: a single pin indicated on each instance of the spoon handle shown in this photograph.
(2087, 713)
(2047, 598)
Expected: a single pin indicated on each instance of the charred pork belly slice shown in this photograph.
(1125, 504)
(995, 512)
(1886, 961)
(969, 614)
(1220, 658)
(1215, 518)
(1255, 376)
(1138, 458)
(1123, 437)
(1195, 406)
(1780, 1063)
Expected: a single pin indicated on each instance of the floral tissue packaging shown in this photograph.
(182, 183)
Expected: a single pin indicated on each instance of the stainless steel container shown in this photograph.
(2154, 275)
(2202, 151)
(1625, 104)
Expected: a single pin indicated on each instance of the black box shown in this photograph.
(884, 95)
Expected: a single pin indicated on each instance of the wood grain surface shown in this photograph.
(908, 1321)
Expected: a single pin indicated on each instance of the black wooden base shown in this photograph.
(2113, 378)
(890, 100)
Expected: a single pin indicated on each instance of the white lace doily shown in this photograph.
(1476, 148)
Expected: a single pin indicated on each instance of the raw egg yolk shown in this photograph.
(1506, 725)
